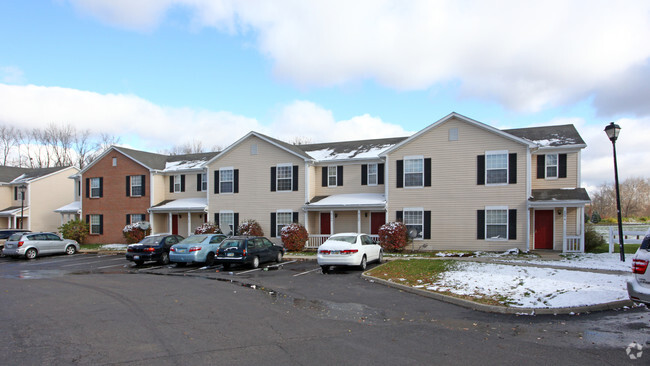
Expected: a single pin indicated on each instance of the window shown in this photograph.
(137, 218)
(284, 177)
(453, 134)
(413, 172)
(227, 222)
(226, 180)
(136, 185)
(95, 224)
(496, 224)
(204, 182)
(331, 176)
(282, 219)
(372, 174)
(551, 165)
(95, 187)
(114, 161)
(414, 219)
(253, 149)
(177, 183)
(496, 167)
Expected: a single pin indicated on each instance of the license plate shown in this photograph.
(181, 250)
(230, 255)
(335, 252)
(136, 257)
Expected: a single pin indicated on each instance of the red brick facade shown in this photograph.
(115, 204)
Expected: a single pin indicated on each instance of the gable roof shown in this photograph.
(345, 150)
(292, 149)
(16, 175)
(550, 136)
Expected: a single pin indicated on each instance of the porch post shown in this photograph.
(189, 223)
(582, 229)
(169, 222)
(331, 222)
(153, 229)
(358, 221)
(564, 246)
(306, 218)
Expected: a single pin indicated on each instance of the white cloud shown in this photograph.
(11, 75)
(525, 55)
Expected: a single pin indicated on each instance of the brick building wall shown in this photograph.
(114, 204)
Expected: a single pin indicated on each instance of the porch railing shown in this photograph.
(316, 240)
(573, 244)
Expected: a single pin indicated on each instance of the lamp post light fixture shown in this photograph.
(612, 130)
(22, 189)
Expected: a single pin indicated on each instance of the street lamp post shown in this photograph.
(22, 188)
(612, 130)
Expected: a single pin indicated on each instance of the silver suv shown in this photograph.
(638, 287)
(31, 245)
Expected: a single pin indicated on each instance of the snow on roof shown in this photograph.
(173, 166)
(73, 207)
(354, 199)
(332, 154)
(183, 204)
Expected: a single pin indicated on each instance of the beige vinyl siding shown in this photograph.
(158, 191)
(48, 194)
(255, 199)
(190, 187)
(314, 181)
(454, 196)
(571, 180)
(351, 182)
(571, 228)
(6, 196)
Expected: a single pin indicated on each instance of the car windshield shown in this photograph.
(645, 244)
(194, 239)
(231, 243)
(15, 237)
(344, 238)
(151, 240)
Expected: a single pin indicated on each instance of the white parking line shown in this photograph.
(250, 270)
(115, 265)
(304, 273)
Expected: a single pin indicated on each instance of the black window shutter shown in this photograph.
(364, 174)
(87, 187)
(339, 175)
(216, 219)
(272, 179)
(512, 224)
(324, 177)
(144, 185)
(294, 217)
(541, 166)
(562, 166)
(399, 216)
(400, 173)
(235, 223)
(15, 193)
(101, 224)
(235, 183)
(182, 182)
(295, 178)
(88, 219)
(512, 168)
(427, 224)
(198, 182)
(171, 184)
(427, 172)
(480, 224)
(380, 173)
(128, 186)
(128, 219)
(216, 182)
(480, 170)
(101, 186)
(273, 224)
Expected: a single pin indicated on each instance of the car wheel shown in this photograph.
(70, 250)
(30, 253)
(164, 258)
(325, 269)
(256, 262)
(278, 258)
(381, 257)
(363, 264)
(139, 262)
(209, 260)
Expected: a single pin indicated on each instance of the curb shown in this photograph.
(501, 309)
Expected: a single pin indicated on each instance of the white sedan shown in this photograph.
(348, 249)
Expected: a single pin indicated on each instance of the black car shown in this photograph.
(152, 248)
(251, 250)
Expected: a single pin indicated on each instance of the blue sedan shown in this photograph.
(196, 249)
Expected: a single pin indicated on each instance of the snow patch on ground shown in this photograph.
(602, 261)
(113, 247)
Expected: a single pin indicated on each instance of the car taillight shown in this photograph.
(350, 251)
(172, 249)
(195, 249)
(639, 266)
(244, 252)
(20, 244)
(149, 249)
(324, 252)
(129, 249)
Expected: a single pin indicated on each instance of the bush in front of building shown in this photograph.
(76, 230)
(250, 227)
(133, 233)
(393, 236)
(294, 237)
(207, 228)
(594, 242)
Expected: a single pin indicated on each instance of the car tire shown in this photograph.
(278, 258)
(256, 262)
(31, 253)
(70, 250)
(164, 258)
(364, 263)
(139, 262)
(209, 259)
(325, 269)
(381, 257)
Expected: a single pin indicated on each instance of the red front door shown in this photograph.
(325, 223)
(543, 229)
(174, 224)
(377, 219)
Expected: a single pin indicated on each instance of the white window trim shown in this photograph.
(277, 212)
(277, 177)
(177, 180)
(99, 187)
(144, 217)
(376, 174)
(414, 209)
(412, 157)
(336, 175)
(497, 208)
(132, 185)
(98, 224)
(453, 134)
(204, 182)
(557, 167)
(498, 152)
(114, 161)
(221, 213)
(231, 181)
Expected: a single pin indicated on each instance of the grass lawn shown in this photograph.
(90, 246)
(412, 272)
(629, 248)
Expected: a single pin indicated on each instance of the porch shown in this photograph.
(69, 212)
(179, 217)
(10, 218)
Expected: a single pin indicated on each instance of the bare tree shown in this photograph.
(82, 147)
(9, 140)
(300, 140)
(193, 147)
(635, 198)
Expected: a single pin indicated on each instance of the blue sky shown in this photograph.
(160, 73)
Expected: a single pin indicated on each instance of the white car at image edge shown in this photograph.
(638, 287)
(348, 249)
